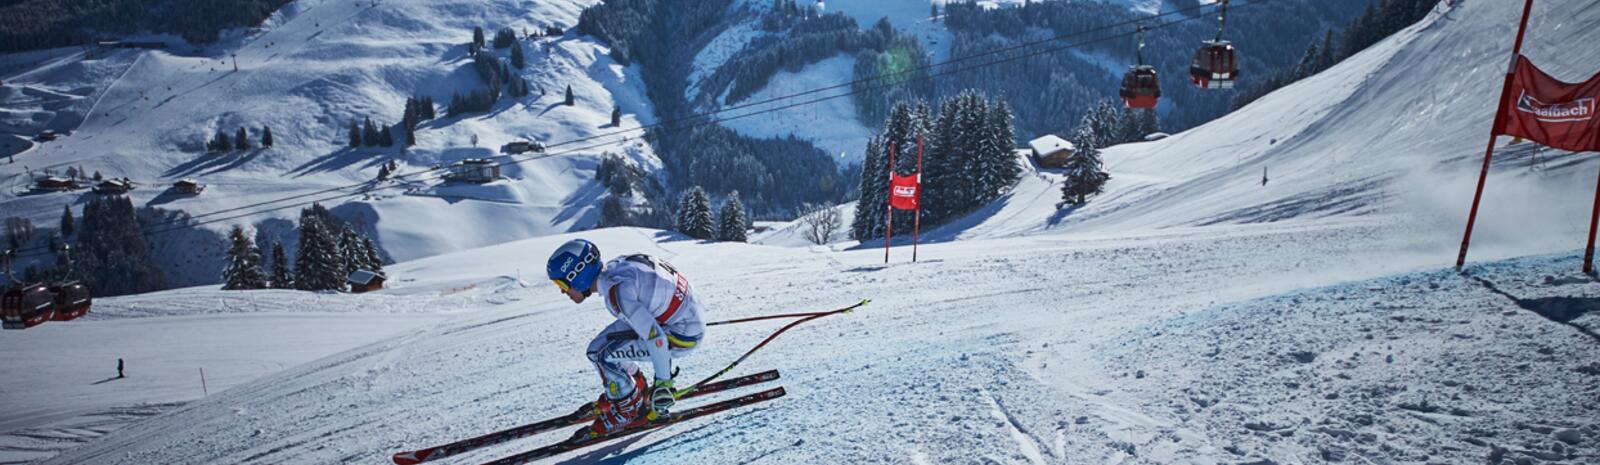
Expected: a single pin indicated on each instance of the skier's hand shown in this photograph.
(661, 396)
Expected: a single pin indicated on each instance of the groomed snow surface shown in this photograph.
(1187, 346)
(1188, 315)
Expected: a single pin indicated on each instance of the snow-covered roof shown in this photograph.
(1049, 143)
(363, 277)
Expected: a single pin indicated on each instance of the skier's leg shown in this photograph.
(616, 374)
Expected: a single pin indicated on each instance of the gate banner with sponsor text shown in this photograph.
(1543, 109)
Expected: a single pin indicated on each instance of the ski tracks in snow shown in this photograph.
(1027, 443)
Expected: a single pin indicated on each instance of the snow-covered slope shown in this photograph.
(1396, 130)
(313, 68)
(1047, 356)
(1394, 133)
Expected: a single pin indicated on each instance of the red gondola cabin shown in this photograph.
(71, 299)
(26, 306)
(1140, 87)
(1215, 65)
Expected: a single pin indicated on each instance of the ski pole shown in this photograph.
(770, 317)
(764, 342)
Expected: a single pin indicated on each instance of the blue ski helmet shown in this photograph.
(575, 265)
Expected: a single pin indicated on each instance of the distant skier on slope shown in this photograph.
(658, 319)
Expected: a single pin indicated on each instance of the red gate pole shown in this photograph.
(888, 209)
(1594, 219)
(916, 225)
(1500, 109)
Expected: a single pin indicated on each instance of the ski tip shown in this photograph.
(410, 458)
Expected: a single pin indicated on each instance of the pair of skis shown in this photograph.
(586, 413)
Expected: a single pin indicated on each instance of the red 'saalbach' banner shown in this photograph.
(905, 193)
(1542, 109)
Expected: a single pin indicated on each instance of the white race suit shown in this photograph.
(658, 320)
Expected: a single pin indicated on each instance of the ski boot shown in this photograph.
(612, 415)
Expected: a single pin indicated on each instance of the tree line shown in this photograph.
(240, 140)
(105, 249)
(329, 251)
(36, 24)
(968, 160)
(694, 217)
(498, 76)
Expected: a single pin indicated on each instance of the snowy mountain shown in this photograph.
(307, 73)
(1191, 314)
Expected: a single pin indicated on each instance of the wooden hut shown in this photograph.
(365, 281)
(1050, 151)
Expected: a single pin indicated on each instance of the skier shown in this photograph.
(658, 319)
(119, 369)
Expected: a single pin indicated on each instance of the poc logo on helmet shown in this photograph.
(587, 259)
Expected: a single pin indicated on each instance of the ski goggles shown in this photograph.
(565, 288)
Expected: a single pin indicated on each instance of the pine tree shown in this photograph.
(66, 221)
(369, 133)
(612, 212)
(616, 116)
(1328, 57)
(1309, 62)
(266, 137)
(1148, 123)
(518, 59)
(999, 153)
(971, 115)
(355, 134)
(1084, 175)
(241, 139)
(1104, 120)
(732, 224)
(874, 191)
(939, 195)
(282, 276)
(221, 143)
(372, 262)
(477, 39)
(317, 263)
(569, 102)
(386, 137)
(905, 122)
(244, 264)
(351, 256)
(694, 214)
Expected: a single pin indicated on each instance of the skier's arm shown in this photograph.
(642, 319)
